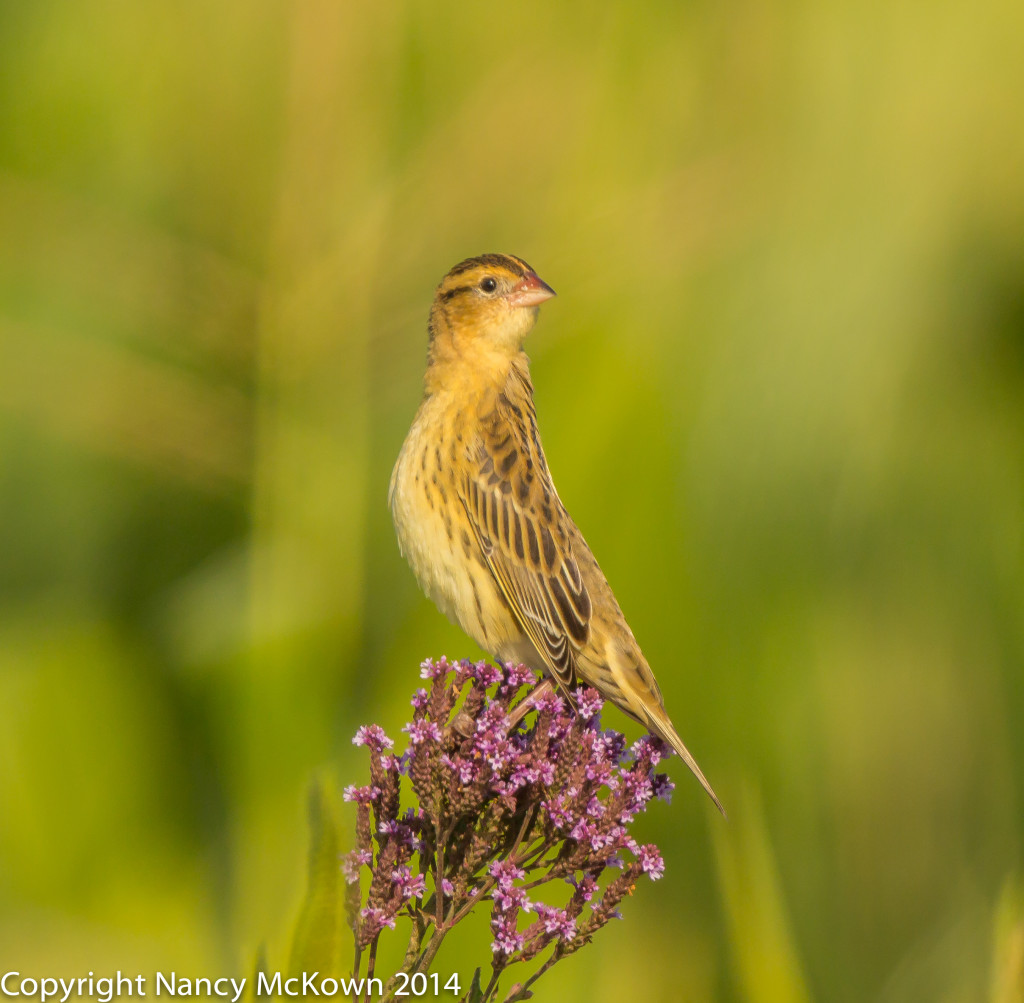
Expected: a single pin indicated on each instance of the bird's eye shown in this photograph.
(488, 285)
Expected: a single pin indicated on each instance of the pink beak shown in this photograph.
(531, 291)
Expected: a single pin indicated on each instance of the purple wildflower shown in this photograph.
(609, 747)
(588, 703)
(518, 676)
(639, 790)
(556, 921)
(561, 809)
(511, 899)
(395, 764)
(585, 887)
(492, 725)
(422, 731)
(651, 861)
(429, 669)
(507, 939)
(376, 919)
(523, 775)
(486, 674)
(373, 736)
(409, 885)
(361, 795)
(583, 830)
(352, 861)
(663, 787)
(467, 770)
(551, 795)
(400, 832)
(505, 873)
(650, 747)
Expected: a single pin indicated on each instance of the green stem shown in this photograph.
(492, 985)
(468, 907)
(555, 955)
(527, 823)
(433, 945)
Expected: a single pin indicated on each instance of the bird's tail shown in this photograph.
(661, 726)
(623, 676)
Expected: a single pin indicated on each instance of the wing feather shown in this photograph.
(525, 536)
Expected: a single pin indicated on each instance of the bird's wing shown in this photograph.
(525, 534)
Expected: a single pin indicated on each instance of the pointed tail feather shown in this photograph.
(624, 677)
(663, 729)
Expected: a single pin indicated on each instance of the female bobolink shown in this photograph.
(477, 514)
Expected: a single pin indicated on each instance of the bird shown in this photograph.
(477, 515)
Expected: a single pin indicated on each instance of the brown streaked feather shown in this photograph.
(543, 567)
(524, 532)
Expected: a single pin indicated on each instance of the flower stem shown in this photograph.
(439, 874)
(528, 818)
(371, 962)
(433, 945)
(555, 955)
(468, 907)
(492, 985)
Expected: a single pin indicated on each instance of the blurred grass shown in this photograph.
(782, 391)
(765, 958)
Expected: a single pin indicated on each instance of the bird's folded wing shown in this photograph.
(525, 537)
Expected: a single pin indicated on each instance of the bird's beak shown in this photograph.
(531, 291)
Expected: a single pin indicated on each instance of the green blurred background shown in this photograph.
(782, 393)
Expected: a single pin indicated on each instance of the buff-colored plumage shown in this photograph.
(478, 517)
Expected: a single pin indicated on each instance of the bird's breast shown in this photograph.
(435, 535)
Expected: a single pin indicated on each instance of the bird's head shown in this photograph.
(487, 305)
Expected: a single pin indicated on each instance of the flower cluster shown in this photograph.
(517, 791)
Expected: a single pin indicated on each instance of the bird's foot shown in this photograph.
(529, 702)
